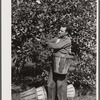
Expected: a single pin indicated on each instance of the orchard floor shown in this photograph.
(16, 97)
(84, 98)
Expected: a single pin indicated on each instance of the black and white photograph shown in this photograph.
(54, 50)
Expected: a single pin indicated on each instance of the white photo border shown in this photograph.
(6, 50)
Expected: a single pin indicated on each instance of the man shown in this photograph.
(57, 82)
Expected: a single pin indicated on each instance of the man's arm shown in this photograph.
(60, 44)
(52, 40)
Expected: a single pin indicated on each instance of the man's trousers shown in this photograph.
(57, 86)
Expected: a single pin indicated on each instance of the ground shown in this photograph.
(88, 97)
(85, 98)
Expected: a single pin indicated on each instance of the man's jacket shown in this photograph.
(61, 46)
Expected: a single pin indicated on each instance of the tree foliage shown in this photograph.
(42, 19)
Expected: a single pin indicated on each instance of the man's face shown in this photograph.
(62, 31)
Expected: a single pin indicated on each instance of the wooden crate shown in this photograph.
(34, 94)
(29, 94)
(70, 91)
